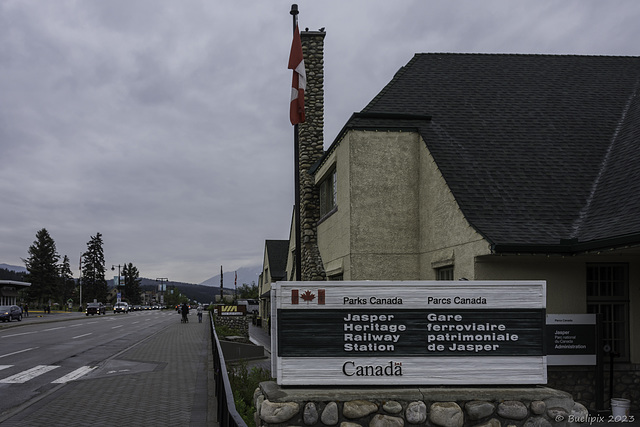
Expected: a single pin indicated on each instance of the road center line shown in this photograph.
(17, 335)
(83, 335)
(53, 329)
(116, 327)
(17, 352)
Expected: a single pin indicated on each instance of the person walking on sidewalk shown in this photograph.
(185, 312)
(199, 313)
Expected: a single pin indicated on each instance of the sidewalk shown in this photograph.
(259, 336)
(166, 380)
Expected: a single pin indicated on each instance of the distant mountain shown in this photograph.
(248, 275)
(200, 293)
(15, 268)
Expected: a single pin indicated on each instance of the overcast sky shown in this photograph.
(163, 124)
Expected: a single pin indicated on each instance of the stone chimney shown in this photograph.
(311, 139)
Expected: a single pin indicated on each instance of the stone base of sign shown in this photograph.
(397, 407)
(237, 323)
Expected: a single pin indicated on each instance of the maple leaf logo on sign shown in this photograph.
(308, 296)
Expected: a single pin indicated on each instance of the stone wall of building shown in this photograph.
(311, 137)
(581, 383)
(442, 407)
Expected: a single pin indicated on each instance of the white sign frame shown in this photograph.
(492, 296)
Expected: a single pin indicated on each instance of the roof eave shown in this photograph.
(568, 246)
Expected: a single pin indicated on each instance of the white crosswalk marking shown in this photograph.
(29, 374)
(75, 374)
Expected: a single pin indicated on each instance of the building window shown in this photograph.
(608, 295)
(444, 273)
(328, 194)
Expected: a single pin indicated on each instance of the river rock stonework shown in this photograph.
(405, 407)
(237, 323)
(311, 136)
(580, 381)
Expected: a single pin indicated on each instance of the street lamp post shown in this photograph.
(162, 288)
(113, 267)
(80, 281)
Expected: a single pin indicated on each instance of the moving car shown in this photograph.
(96, 308)
(121, 307)
(10, 312)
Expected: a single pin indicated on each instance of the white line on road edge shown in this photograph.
(74, 375)
(16, 352)
(29, 374)
(83, 335)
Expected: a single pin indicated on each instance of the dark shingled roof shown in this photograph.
(277, 252)
(541, 152)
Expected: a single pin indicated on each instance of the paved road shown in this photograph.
(161, 380)
(38, 355)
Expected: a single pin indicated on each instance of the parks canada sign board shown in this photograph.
(408, 333)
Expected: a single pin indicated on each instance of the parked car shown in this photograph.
(121, 307)
(10, 312)
(96, 308)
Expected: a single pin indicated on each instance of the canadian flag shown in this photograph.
(308, 296)
(299, 83)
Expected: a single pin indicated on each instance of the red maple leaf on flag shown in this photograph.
(308, 296)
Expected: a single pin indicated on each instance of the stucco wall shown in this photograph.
(566, 282)
(374, 232)
(334, 239)
(566, 277)
(396, 218)
(384, 199)
(446, 238)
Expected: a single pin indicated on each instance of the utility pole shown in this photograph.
(221, 293)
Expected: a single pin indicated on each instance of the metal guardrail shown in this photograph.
(227, 414)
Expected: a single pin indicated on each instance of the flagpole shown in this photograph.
(296, 158)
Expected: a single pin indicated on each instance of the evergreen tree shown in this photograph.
(42, 268)
(18, 276)
(132, 282)
(248, 291)
(67, 284)
(93, 271)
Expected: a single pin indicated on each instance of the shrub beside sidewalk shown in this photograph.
(243, 380)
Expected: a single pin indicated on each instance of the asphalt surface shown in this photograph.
(166, 380)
